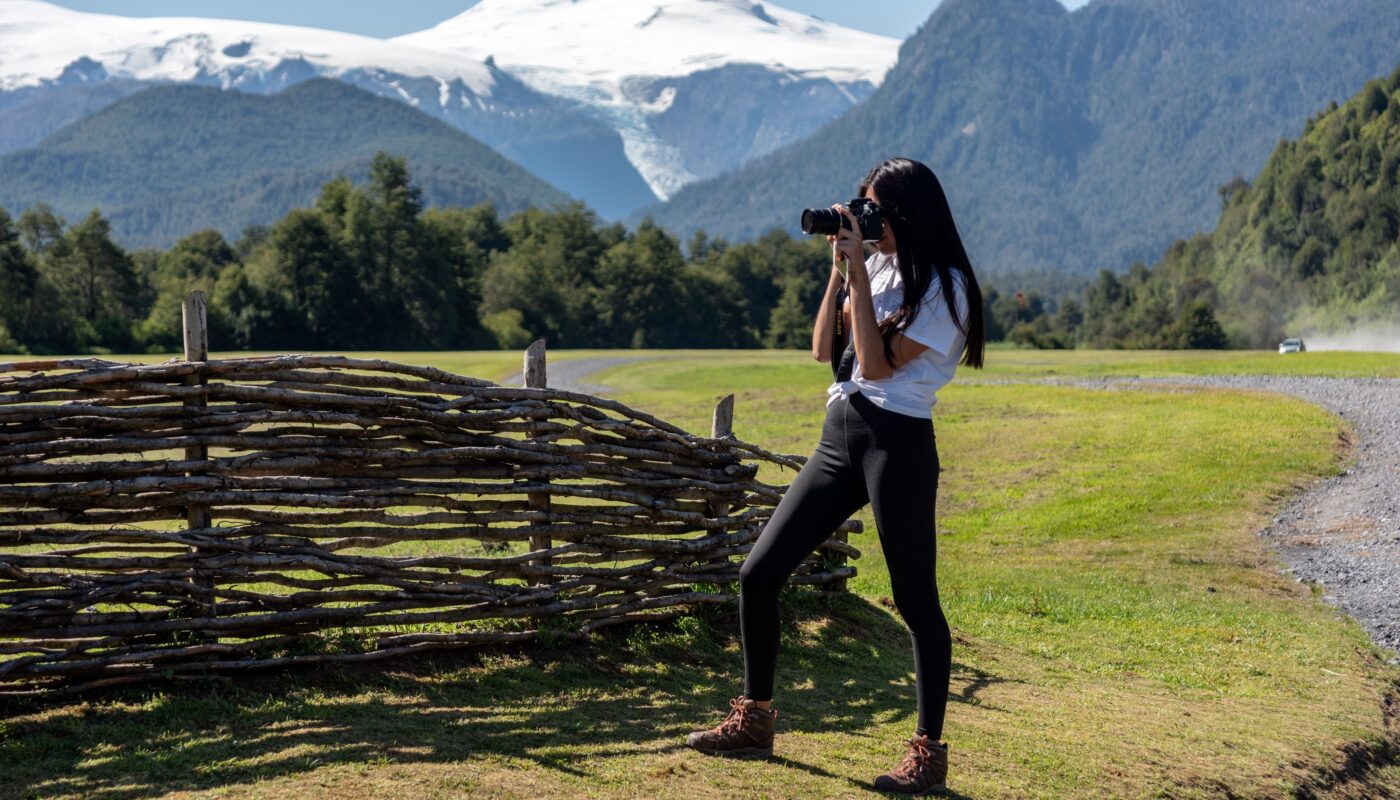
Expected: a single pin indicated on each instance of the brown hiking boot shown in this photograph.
(746, 732)
(924, 769)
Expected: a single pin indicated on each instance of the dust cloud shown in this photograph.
(1373, 338)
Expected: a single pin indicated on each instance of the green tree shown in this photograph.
(790, 324)
(712, 310)
(312, 280)
(763, 270)
(548, 273)
(8, 343)
(193, 263)
(1197, 328)
(1067, 322)
(32, 311)
(41, 228)
(252, 316)
(468, 238)
(19, 280)
(638, 299)
(97, 274)
(394, 204)
(507, 329)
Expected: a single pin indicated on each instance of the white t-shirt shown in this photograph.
(910, 389)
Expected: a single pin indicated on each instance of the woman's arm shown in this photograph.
(826, 318)
(904, 349)
(870, 345)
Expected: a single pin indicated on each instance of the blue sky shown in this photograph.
(378, 18)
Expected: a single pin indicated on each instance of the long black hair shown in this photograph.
(926, 244)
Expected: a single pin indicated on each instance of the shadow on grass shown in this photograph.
(845, 667)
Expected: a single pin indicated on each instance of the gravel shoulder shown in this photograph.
(1342, 532)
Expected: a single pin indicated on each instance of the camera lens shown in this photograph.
(823, 221)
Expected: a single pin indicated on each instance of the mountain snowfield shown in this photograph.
(39, 41)
(614, 55)
(617, 102)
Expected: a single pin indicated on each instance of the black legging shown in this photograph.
(866, 454)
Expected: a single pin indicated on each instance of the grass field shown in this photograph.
(1119, 629)
(1172, 363)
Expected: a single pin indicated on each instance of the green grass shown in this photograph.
(1120, 631)
(493, 365)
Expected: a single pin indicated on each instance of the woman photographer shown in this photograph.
(914, 312)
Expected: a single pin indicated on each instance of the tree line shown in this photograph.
(369, 267)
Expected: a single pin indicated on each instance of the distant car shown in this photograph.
(1292, 346)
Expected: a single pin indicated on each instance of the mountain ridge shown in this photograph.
(1071, 140)
(173, 159)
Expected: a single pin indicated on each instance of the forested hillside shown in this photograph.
(175, 159)
(29, 115)
(1310, 247)
(1073, 140)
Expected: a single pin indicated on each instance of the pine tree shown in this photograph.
(790, 325)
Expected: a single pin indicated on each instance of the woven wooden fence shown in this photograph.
(198, 516)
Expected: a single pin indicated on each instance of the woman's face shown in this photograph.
(886, 243)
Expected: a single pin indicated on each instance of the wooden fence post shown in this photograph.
(839, 585)
(536, 377)
(722, 425)
(194, 312)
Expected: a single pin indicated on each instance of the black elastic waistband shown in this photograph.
(867, 407)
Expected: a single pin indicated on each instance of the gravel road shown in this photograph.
(1343, 532)
(573, 375)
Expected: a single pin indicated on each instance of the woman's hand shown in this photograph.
(846, 245)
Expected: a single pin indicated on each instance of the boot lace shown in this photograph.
(914, 761)
(738, 716)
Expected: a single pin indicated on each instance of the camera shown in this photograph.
(828, 221)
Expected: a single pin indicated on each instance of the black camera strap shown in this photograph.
(841, 342)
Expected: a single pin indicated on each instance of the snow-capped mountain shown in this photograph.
(617, 102)
(40, 41)
(58, 65)
(695, 87)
